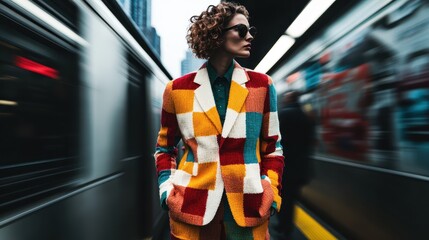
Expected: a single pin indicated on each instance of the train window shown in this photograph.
(38, 117)
(64, 10)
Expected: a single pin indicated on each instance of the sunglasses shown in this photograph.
(242, 30)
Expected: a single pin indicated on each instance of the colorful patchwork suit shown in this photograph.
(243, 157)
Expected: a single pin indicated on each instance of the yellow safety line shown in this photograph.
(310, 227)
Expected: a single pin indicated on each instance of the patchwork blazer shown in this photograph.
(243, 157)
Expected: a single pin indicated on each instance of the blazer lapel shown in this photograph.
(204, 96)
(237, 96)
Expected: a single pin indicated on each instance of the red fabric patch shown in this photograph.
(163, 162)
(267, 102)
(185, 82)
(170, 121)
(274, 163)
(232, 151)
(195, 201)
(271, 143)
(257, 80)
(252, 202)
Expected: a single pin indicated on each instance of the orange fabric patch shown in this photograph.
(254, 101)
(233, 177)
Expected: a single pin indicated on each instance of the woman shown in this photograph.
(228, 178)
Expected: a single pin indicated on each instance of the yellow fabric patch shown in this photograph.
(235, 201)
(183, 100)
(183, 159)
(186, 166)
(239, 96)
(206, 178)
(259, 232)
(203, 126)
(162, 136)
(274, 177)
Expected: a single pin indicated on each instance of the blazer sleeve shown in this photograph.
(166, 150)
(272, 160)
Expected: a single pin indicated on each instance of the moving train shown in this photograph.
(80, 98)
(365, 82)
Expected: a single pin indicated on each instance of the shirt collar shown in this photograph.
(213, 75)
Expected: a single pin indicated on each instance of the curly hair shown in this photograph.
(205, 33)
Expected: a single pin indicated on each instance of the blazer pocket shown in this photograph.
(257, 206)
(180, 209)
(267, 199)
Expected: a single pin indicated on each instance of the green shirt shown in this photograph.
(220, 87)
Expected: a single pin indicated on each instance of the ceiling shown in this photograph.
(273, 17)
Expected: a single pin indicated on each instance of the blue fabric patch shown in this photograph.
(253, 130)
(273, 98)
(253, 124)
(274, 205)
(190, 156)
(163, 176)
(250, 151)
(278, 144)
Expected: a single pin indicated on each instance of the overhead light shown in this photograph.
(8, 103)
(308, 16)
(276, 52)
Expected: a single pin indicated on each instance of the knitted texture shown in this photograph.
(223, 226)
(233, 157)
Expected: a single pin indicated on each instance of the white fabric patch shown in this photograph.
(273, 127)
(214, 198)
(182, 178)
(229, 122)
(252, 180)
(197, 106)
(195, 169)
(239, 128)
(186, 125)
(165, 187)
(207, 149)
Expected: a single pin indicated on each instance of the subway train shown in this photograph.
(80, 98)
(365, 82)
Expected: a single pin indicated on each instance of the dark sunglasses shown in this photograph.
(242, 30)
